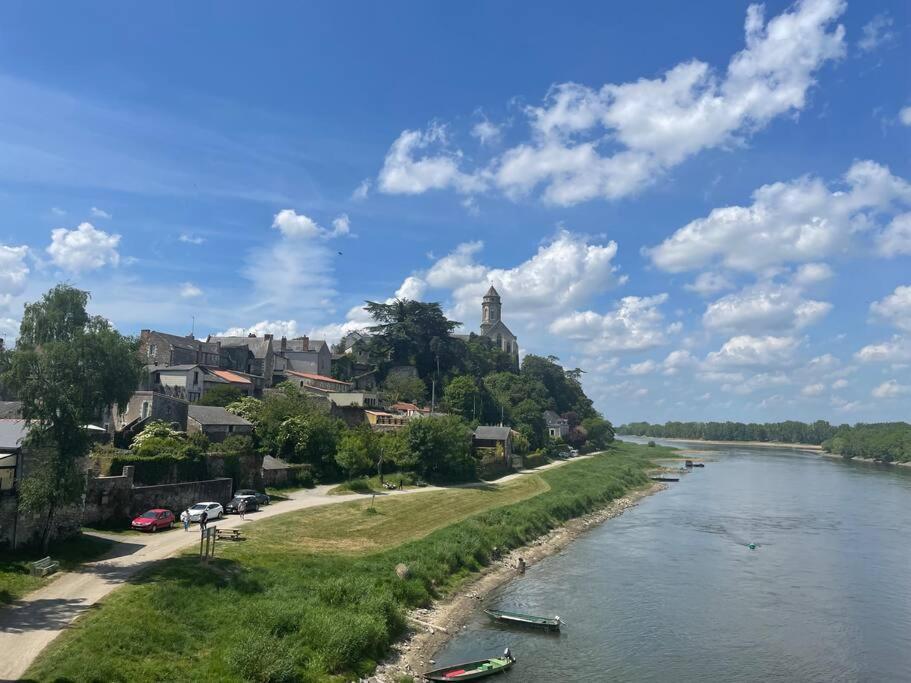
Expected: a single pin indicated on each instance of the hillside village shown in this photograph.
(209, 416)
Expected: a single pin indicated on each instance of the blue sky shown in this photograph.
(706, 206)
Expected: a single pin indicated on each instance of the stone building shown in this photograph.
(217, 423)
(493, 327)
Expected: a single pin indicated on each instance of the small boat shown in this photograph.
(665, 478)
(546, 623)
(688, 463)
(470, 671)
(698, 464)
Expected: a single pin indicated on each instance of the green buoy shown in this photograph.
(752, 546)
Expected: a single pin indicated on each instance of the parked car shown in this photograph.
(252, 504)
(215, 511)
(261, 498)
(153, 520)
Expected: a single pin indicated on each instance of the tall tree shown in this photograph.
(67, 368)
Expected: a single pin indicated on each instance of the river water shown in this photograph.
(670, 591)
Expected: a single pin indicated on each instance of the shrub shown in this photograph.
(260, 656)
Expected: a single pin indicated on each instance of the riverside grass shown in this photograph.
(313, 595)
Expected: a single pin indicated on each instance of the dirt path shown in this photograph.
(29, 625)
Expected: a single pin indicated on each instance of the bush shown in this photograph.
(260, 656)
(651, 444)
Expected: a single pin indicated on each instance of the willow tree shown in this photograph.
(67, 368)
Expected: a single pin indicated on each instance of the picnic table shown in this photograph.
(43, 567)
(228, 534)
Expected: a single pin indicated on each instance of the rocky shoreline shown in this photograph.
(433, 626)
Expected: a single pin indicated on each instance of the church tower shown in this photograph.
(491, 309)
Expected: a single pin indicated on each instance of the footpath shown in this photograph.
(30, 624)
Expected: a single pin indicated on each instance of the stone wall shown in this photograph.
(17, 530)
(245, 470)
(108, 498)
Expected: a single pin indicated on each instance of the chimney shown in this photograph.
(284, 344)
(267, 337)
(305, 343)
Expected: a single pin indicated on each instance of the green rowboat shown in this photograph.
(472, 670)
(529, 620)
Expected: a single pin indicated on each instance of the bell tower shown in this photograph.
(491, 308)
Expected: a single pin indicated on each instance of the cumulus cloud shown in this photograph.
(895, 350)
(811, 274)
(189, 291)
(746, 351)
(762, 307)
(296, 225)
(895, 240)
(635, 324)
(758, 382)
(13, 272)
(905, 116)
(891, 389)
(895, 308)
(458, 268)
(788, 222)
(99, 213)
(419, 161)
(646, 367)
(362, 191)
(83, 248)
(707, 284)
(813, 389)
(277, 328)
(610, 142)
(840, 384)
(486, 132)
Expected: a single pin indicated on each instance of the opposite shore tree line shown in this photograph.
(883, 441)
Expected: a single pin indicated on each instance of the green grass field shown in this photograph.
(15, 580)
(313, 595)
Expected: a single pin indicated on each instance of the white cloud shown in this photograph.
(876, 32)
(840, 384)
(678, 360)
(458, 268)
(190, 239)
(646, 367)
(811, 274)
(758, 382)
(486, 132)
(891, 389)
(404, 173)
(99, 213)
(905, 116)
(788, 222)
(295, 225)
(412, 288)
(189, 291)
(611, 142)
(895, 308)
(362, 191)
(896, 238)
(895, 350)
(745, 351)
(764, 307)
(57, 211)
(83, 248)
(709, 283)
(635, 324)
(277, 328)
(813, 389)
(13, 273)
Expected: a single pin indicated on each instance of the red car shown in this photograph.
(153, 520)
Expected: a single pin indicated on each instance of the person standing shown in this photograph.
(185, 518)
(242, 507)
(203, 519)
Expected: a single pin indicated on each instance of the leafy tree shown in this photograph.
(483, 357)
(600, 432)
(309, 439)
(246, 407)
(220, 396)
(358, 450)
(440, 446)
(157, 429)
(562, 386)
(67, 368)
(528, 419)
(393, 448)
(463, 397)
(402, 387)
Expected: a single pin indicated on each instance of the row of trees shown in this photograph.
(781, 432)
(885, 441)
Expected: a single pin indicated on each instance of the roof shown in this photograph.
(10, 410)
(214, 415)
(229, 376)
(491, 292)
(272, 463)
(319, 378)
(12, 432)
(489, 330)
(551, 417)
(492, 433)
(404, 405)
(179, 368)
(318, 344)
(259, 346)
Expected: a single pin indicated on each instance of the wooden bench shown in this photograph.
(43, 567)
(228, 534)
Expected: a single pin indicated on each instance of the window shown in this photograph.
(145, 409)
(196, 377)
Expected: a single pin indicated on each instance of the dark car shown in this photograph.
(153, 520)
(261, 498)
(252, 504)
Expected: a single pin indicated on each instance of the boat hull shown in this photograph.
(524, 620)
(470, 671)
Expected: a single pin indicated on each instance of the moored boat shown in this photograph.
(529, 620)
(470, 671)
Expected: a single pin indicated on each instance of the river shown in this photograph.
(670, 591)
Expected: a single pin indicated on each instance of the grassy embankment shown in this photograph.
(314, 593)
(15, 580)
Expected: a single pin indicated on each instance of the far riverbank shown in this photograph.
(751, 444)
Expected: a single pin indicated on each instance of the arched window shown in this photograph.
(500, 340)
(508, 347)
